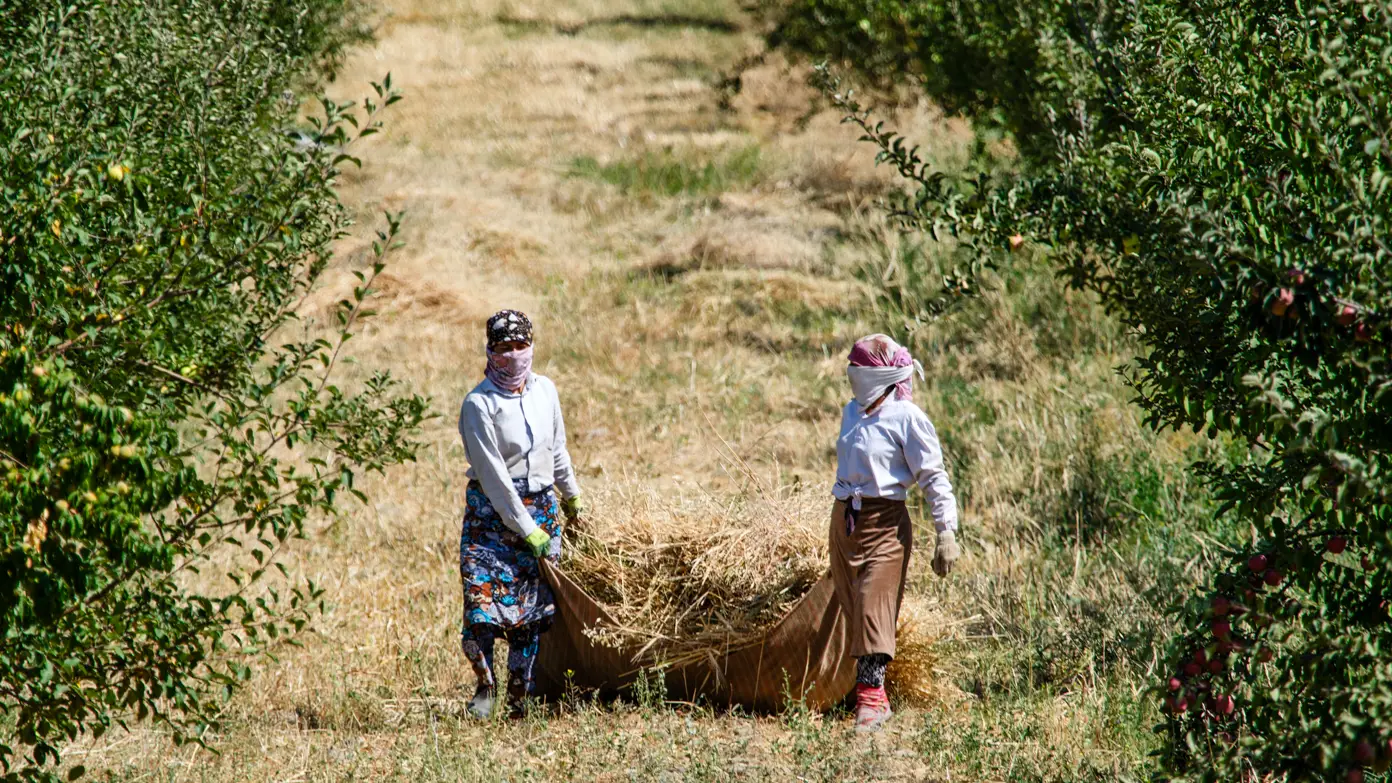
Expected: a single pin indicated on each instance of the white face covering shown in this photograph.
(869, 384)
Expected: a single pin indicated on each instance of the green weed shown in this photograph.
(669, 174)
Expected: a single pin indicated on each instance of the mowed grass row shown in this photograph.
(697, 274)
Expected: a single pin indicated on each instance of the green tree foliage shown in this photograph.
(1218, 172)
(163, 433)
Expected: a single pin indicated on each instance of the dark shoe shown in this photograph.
(518, 700)
(481, 706)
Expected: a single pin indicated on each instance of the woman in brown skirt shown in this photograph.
(886, 446)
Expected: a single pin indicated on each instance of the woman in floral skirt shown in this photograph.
(515, 441)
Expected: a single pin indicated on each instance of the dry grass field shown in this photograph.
(697, 271)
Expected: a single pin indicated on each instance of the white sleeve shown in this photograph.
(842, 489)
(481, 447)
(564, 470)
(924, 455)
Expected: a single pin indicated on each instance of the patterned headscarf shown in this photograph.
(508, 326)
(509, 370)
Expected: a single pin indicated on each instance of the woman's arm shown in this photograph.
(481, 447)
(925, 459)
(564, 475)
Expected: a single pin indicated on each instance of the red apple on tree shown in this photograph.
(1272, 577)
(1221, 606)
(1346, 316)
(1282, 301)
(1257, 563)
(1296, 275)
(1363, 752)
(1384, 759)
(1336, 545)
(1362, 332)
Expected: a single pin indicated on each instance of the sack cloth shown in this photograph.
(805, 655)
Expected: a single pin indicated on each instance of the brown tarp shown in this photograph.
(805, 654)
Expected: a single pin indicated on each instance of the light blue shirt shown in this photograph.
(885, 453)
(516, 436)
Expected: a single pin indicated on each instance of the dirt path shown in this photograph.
(572, 160)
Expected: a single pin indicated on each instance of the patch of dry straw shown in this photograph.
(915, 676)
(684, 573)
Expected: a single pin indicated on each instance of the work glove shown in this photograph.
(573, 508)
(539, 542)
(946, 553)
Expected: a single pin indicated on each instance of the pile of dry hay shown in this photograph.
(682, 574)
(685, 573)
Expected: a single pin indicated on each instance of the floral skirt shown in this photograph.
(502, 580)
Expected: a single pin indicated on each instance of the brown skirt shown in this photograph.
(869, 568)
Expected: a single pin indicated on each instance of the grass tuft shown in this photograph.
(668, 174)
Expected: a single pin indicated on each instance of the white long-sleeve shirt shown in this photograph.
(885, 453)
(511, 436)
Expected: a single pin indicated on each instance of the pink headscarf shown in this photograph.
(878, 350)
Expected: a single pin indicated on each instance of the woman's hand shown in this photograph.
(946, 553)
(539, 542)
(573, 508)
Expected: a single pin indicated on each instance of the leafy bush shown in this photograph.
(1218, 173)
(165, 212)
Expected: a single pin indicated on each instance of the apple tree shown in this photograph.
(164, 433)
